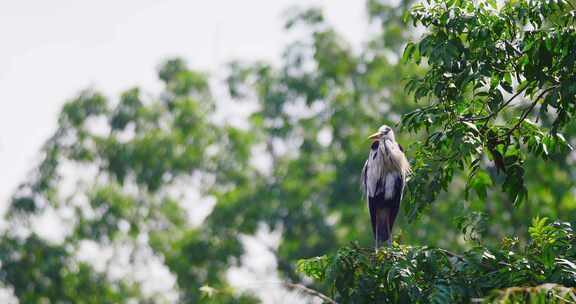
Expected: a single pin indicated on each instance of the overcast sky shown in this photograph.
(52, 49)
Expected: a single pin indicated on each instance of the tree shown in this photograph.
(312, 193)
(136, 150)
(482, 61)
(510, 273)
(490, 69)
(143, 155)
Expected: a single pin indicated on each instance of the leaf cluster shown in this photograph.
(499, 88)
(413, 274)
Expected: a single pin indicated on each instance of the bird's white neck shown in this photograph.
(387, 144)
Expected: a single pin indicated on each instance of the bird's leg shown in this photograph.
(376, 235)
(389, 230)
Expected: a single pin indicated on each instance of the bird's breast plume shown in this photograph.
(395, 157)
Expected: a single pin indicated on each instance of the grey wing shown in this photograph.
(369, 183)
(363, 178)
(396, 199)
(398, 190)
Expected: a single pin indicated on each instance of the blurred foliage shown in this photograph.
(134, 154)
(41, 272)
(492, 124)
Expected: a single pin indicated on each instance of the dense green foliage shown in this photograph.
(491, 69)
(488, 137)
(406, 274)
(483, 61)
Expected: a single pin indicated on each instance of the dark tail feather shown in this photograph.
(384, 221)
(383, 225)
(373, 217)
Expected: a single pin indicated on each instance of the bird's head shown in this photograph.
(384, 133)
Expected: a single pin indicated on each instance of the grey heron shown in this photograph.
(383, 180)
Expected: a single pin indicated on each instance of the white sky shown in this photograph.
(52, 49)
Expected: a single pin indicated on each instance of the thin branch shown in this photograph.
(493, 114)
(510, 100)
(525, 114)
(309, 291)
(452, 254)
(522, 118)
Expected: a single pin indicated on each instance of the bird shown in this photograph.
(383, 180)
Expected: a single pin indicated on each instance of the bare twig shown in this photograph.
(309, 291)
(300, 287)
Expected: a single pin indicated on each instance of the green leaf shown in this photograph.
(492, 3)
(408, 50)
(471, 126)
(416, 54)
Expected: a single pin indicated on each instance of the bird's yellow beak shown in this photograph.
(374, 136)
